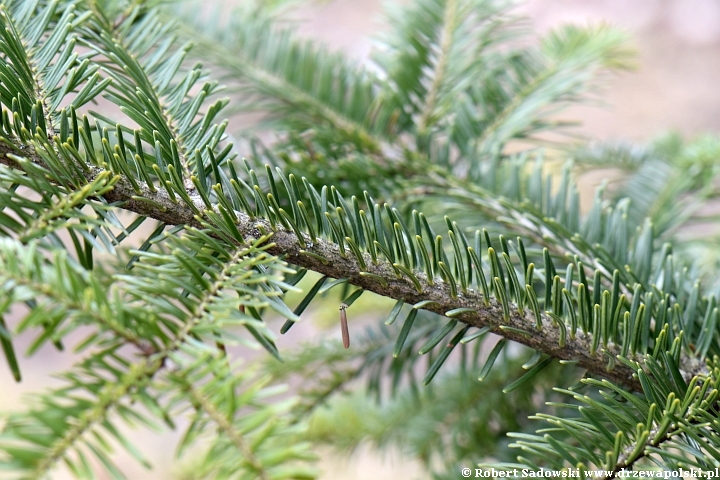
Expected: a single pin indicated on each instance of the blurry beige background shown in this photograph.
(675, 88)
(678, 41)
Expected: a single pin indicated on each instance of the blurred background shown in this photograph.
(678, 62)
(674, 88)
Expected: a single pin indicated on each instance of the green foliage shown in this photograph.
(444, 425)
(457, 86)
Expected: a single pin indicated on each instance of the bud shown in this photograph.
(344, 325)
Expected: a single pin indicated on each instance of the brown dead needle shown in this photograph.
(344, 325)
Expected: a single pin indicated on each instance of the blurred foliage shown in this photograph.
(453, 421)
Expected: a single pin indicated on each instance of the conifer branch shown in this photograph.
(112, 394)
(528, 223)
(657, 436)
(39, 90)
(172, 127)
(246, 64)
(125, 334)
(326, 258)
(228, 429)
(446, 40)
(453, 89)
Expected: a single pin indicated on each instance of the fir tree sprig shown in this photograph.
(587, 290)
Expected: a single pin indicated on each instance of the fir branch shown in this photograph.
(38, 89)
(660, 434)
(47, 290)
(228, 429)
(526, 220)
(256, 55)
(169, 109)
(446, 40)
(57, 213)
(255, 440)
(569, 58)
(114, 392)
(111, 395)
(616, 429)
(629, 457)
(231, 252)
(326, 258)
